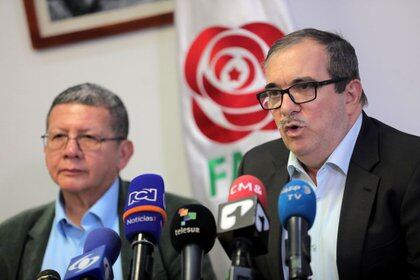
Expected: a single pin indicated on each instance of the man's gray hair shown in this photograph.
(342, 56)
(95, 95)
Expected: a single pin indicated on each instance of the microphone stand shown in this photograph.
(298, 252)
(142, 264)
(241, 261)
(190, 269)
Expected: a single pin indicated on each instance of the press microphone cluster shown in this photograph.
(297, 209)
(243, 225)
(100, 251)
(242, 229)
(144, 217)
(193, 233)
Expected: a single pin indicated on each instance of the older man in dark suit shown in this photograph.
(366, 175)
(86, 147)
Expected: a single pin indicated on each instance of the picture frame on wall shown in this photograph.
(57, 22)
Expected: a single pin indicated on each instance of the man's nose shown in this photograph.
(288, 106)
(72, 147)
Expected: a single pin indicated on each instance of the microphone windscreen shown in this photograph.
(246, 186)
(104, 236)
(145, 207)
(297, 198)
(48, 274)
(193, 224)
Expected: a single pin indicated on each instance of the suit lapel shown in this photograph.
(31, 261)
(280, 178)
(126, 252)
(358, 199)
(272, 261)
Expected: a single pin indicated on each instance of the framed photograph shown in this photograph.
(57, 22)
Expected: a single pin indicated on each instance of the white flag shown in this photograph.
(222, 45)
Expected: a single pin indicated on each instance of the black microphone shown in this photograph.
(243, 225)
(193, 233)
(48, 274)
(297, 209)
(144, 217)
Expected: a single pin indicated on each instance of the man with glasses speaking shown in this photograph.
(85, 147)
(366, 175)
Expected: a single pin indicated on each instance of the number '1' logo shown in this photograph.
(232, 211)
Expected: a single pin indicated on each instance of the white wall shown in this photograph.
(386, 36)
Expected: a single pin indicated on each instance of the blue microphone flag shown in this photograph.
(297, 198)
(104, 236)
(101, 250)
(145, 207)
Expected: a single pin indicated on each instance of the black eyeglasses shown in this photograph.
(272, 98)
(85, 142)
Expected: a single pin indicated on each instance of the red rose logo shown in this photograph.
(223, 68)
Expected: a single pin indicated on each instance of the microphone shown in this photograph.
(246, 186)
(243, 225)
(144, 217)
(48, 274)
(297, 209)
(193, 233)
(100, 251)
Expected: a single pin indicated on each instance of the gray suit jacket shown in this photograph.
(379, 227)
(23, 240)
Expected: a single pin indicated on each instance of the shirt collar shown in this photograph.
(60, 214)
(340, 156)
(105, 209)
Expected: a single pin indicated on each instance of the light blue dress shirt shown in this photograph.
(66, 239)
(331, 180)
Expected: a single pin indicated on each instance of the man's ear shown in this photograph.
(126, 150)
(353, 93)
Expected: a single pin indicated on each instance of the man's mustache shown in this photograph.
(290, 119)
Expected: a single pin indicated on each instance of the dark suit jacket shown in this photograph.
(379, 227)
(23, 240)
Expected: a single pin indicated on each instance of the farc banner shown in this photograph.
(221, 46)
